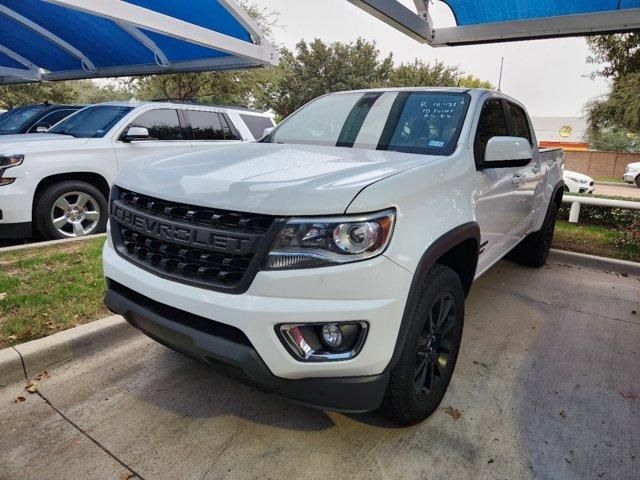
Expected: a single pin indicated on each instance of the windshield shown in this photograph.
(91, 122)
(13, 120)
(413, 122)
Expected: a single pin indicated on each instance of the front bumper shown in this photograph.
(228, 353)
(630, 177)
(16, 202)
(374, 291)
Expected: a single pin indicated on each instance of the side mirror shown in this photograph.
(40, 128)
(507, 149)
(267, 131)
(136, 133)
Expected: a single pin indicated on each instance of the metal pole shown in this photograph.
(500, 79)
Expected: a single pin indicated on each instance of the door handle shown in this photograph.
(517, 179)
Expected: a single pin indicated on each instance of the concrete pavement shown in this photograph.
(547, 387)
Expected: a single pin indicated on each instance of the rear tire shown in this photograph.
(70, 209)
(420, 379)
(534, 249)
(638, 181)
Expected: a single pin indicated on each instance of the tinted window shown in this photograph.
(492, 123)
(162, 124)
(256, 124)
(14, 120)
(229, 133)
(91, 122)
(52, 118)
(520, 123)
(205, 125)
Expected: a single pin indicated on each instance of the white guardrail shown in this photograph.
(576, 202)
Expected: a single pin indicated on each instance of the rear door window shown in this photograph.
(256, 124)
(162, 124)
(205, 125)
(492, 123)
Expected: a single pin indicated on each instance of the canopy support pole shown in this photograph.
(19, 73)
(117, 10)
(51, 37)
(20, 59)
(160, 57)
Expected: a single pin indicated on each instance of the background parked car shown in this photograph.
(575, 182)
(632, 173)
(56, 184)
(35, 118)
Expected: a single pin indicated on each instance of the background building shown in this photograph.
(568, 133)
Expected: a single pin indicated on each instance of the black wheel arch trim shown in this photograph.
(436, 250)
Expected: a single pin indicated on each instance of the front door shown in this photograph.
(504, 204)
(167, 136)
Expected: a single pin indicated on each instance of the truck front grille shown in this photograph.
(211, 248)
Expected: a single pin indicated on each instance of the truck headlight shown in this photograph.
(324, 241)
(7, 161)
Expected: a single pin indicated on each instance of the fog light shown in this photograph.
(331, 335)
(323, 342)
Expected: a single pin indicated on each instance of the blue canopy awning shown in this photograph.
(489, 11)
(72, 39)
(482, 21)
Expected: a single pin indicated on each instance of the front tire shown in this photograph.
(420, 379)
(70, 209)
(638, 181)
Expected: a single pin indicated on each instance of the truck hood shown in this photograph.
(37, 142)
(267, 178)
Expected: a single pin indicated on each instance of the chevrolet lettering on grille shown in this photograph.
(180, 233)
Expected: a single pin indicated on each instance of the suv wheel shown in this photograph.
(69, 210)
(638, 181)
(420, 379)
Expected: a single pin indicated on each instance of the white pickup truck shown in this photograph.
(329, 263)
(56, 184)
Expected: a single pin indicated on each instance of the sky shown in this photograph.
(549, 76)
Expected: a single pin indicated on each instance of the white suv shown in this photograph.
(56, 184)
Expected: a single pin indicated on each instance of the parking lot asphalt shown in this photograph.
(547, 387)
(627, 190)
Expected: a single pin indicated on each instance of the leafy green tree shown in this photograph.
(620, 108)
(77, 91)
(470, 81)
(613, 140)
(421, 74)
(318, 68)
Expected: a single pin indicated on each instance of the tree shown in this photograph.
(620, 108)
(613, 140)
(470, 81)
(421, 74)
(318, 68)
(77, 91)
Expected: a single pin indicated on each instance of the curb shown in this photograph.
(595, 263)
(49, 243)
(74, 343)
